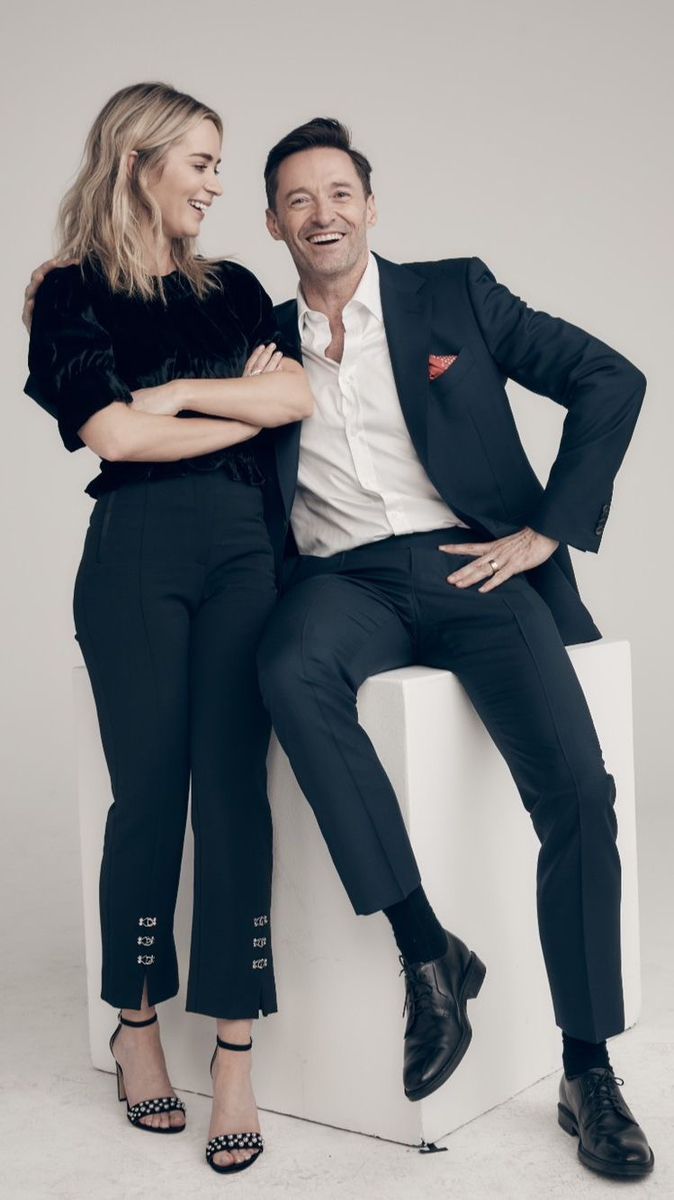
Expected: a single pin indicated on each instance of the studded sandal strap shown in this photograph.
(146, 1108)
(234, 1141)
(139, 1024)
(233, 1045)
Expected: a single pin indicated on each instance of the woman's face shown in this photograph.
(188, 183)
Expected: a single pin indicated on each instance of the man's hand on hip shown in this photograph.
(497, 561)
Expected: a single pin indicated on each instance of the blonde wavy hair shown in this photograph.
(101, 215)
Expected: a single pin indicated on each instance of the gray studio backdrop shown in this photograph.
(530, 133)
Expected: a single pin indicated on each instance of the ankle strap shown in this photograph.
(139, 1024)
(233, 1045)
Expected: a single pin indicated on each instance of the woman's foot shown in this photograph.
(140, 1055)
(234, 1108)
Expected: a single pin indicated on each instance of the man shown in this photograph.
(417, 531)
(410, 527)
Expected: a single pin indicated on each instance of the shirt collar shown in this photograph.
(367, 293)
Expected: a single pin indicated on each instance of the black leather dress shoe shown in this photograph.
(438, 1032)
(609, 1139)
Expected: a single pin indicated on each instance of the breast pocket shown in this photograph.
(443, 385)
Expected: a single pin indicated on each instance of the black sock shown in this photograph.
(416, 928)
(579, 1056)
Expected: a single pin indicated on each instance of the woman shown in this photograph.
(175, 583)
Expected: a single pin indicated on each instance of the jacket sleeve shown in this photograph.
(601, 390)
(70, 357)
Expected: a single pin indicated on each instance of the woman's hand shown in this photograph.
(164, 400)
(264, 360)
(265, 403)
(168, 399)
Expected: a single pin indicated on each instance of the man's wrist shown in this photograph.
(547, 536)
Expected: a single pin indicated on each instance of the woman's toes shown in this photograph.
(223, 1158)
(164, 1120)
(226, 1158)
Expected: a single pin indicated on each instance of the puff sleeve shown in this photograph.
(71, 361)
(255, 310)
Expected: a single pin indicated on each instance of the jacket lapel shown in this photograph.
(287, 440)
(406, 307)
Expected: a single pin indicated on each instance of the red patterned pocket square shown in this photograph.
(439, 363)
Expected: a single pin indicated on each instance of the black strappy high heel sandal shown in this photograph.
(233, 1141)
(145, 1108)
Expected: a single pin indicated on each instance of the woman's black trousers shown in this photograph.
(174, 587)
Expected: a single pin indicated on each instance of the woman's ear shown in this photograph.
(131, 163)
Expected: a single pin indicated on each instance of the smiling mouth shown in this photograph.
(199, 205)
(325, 239)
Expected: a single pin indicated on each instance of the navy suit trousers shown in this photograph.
(388, 604)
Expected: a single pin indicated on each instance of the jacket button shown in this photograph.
(599, 529)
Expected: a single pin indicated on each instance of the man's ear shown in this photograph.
(273, 226)
(371, 210)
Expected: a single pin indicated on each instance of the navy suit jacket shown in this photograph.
(462, 426)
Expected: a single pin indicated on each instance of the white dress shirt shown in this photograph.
(359, 478)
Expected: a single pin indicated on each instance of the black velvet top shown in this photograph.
(90, 346)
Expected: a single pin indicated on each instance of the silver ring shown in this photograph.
(494, 565)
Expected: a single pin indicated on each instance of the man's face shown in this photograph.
(322, 213)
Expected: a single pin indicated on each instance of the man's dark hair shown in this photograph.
(320, 131)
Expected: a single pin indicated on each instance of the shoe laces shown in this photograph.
(423, 990)
(603, 1089)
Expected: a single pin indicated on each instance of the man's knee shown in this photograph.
(290, 661)
(585, 800)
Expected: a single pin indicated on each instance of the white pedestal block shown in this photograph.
(333, 1052)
